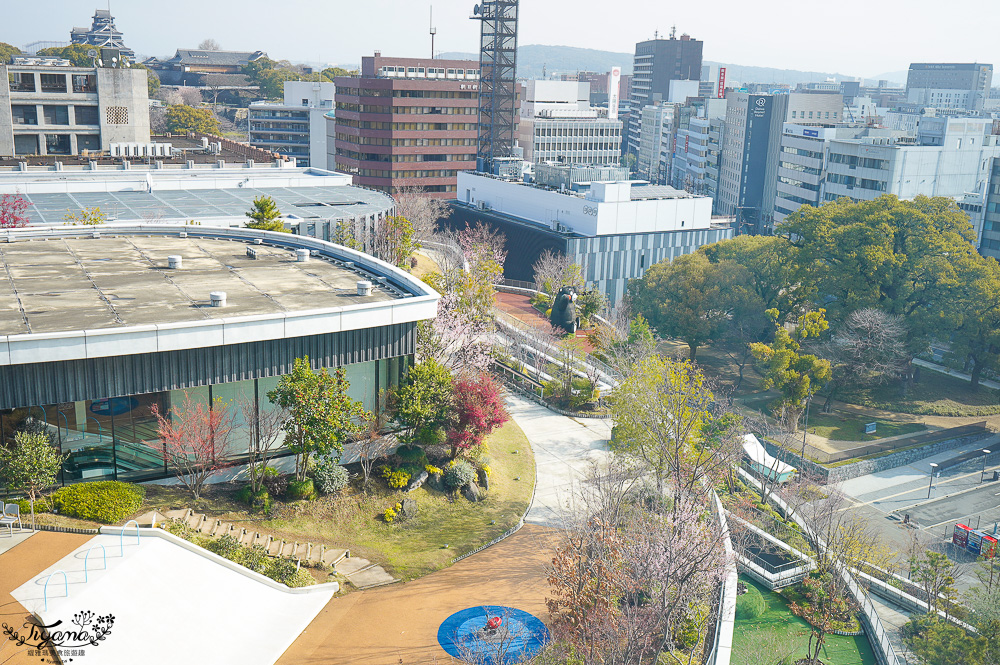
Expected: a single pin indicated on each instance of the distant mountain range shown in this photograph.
(535, 61)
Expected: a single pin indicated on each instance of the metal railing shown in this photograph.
(86, 560)
(45, 589)
(121, 536)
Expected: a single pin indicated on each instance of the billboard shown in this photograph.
(722, 82)
(614, 92)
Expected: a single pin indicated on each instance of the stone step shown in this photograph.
(177, 513)
(348, 567)
(332, 556)
(193, 520)
(205, 524)
(371, 576)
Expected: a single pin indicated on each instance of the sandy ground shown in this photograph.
(17, 566)
(398, 624)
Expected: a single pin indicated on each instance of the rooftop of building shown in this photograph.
(217, 58)
(143, 193)
(84, 283)
(184, 149)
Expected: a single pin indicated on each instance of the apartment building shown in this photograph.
(50, 108)
(698, 145)
(297, 127)
(406, 122)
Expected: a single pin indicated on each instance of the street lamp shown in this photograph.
(981, 475)
(930, 485)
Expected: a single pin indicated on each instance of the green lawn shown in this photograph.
(839, 427)
(934, 394)
(780, 630)
(416, 547)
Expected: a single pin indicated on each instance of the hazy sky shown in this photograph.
(863, 39)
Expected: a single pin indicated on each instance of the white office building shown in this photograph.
(614, 229)
(557, 124)
(297, 127)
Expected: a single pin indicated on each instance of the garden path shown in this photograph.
(565, 450)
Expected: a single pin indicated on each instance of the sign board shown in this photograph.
(960, 536)
(614, 92)
(870, 428)
(722, 82)
(810, 132)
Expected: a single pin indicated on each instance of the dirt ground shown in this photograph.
(17, 566)
(398, 624)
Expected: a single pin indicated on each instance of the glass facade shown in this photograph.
(116, 439)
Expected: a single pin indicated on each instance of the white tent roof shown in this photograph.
(758, 455)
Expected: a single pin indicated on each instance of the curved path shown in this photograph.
(399, 623)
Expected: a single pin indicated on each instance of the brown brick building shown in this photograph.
(406, 122)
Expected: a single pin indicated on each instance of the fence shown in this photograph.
(720, 653)
(901, 442)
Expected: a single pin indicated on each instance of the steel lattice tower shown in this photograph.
(497, 69)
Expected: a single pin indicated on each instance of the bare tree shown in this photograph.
(869, 349)
(157, 120)
(190, 96)
(371, 444)
(209, 45)
(553, 270)
(266, 437)
(421, 209)
(215, 83)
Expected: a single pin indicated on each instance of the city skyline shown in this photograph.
(778, 36)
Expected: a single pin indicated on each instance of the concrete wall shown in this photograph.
(127, 89)
(6, 121)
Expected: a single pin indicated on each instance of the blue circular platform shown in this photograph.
(520, 636)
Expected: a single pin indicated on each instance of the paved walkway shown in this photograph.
(399, 623)
(958, 375)
(18, 565)
(565, 451)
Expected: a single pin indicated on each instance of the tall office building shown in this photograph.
(748, 171)
(945, 85)
(406, 122)
(657, 62)
(298, 126)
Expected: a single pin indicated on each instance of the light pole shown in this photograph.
(930, 485)
(985, 453)
(805, 427)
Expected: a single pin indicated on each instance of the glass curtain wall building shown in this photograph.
(110, 332)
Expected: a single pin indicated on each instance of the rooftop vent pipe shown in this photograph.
(364, 287)
(301, 255)
(218, 298)
(175, 262)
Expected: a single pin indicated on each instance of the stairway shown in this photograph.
(360, 572)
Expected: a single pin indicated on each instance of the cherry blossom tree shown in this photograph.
(13, 211)
(194, 439)
(479, 409)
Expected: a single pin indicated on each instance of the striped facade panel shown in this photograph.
(101, 378)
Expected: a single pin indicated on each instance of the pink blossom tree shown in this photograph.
(479, 409)
(13, 211)
(193, 439)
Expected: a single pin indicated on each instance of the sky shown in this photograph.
(870, 38)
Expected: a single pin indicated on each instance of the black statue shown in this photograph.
(564, 310)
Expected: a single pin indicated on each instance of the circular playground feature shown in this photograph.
(492, 635)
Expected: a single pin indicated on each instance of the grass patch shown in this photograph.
(425, 265)
(350, 520)
(778, 629)
(416, 547)
(842, 428)
(935, 394)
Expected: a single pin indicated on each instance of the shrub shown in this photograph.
(431, 469)
(105, 501)
(487, 470)
(411, 455)
(396, 479)
(389, 515)
(254, 557)
(226, 547)
(459, 474)
(330, 478)
(260, 500)
(178, 528)
(275, 482)
(299, 490)
(750, 605)
(280, 570)
(431, 436)
(41, 506)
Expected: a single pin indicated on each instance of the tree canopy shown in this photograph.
(7, 52)
(75, 53)
(191, 119)
(264, 215)
(905, 258)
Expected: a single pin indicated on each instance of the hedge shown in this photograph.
(750, 605)
(105, 501)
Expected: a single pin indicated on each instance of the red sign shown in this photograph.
(687, 140)
(722, 82)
